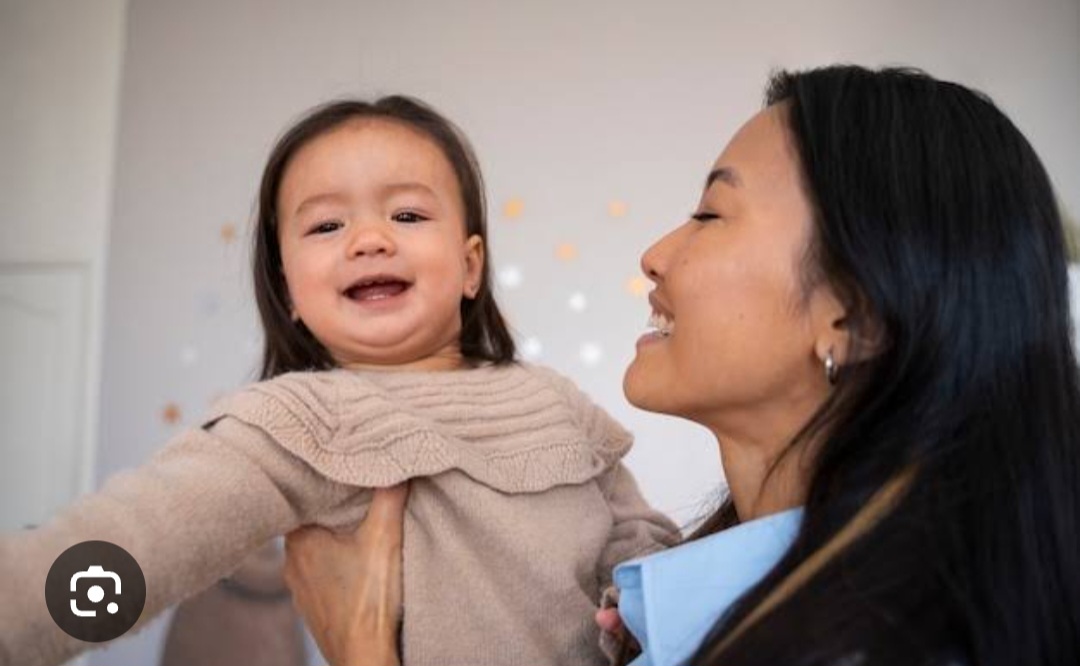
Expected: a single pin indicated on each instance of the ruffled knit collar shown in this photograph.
(516, 428)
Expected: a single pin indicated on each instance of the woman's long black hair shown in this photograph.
(937, 225)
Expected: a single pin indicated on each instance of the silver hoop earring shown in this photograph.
(830, 368)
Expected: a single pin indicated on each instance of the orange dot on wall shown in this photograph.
(228, 233)
(637, 286)
(513, 208)
(617, 208)
(566, 251)
(171, 413)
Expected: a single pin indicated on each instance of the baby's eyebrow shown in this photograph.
(408, 186)
(384, 190)
(315, 199)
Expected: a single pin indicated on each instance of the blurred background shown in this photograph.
(132, 135)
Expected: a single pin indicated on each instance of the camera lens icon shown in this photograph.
(96, 593)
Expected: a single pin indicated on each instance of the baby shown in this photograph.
(386, 359)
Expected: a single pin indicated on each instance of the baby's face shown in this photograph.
(373, 246)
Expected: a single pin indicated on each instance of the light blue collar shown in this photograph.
(671, 599)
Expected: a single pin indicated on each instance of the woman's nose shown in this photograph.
(658, 258)
(369, 239)
(652, 262)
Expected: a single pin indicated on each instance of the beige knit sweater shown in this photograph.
(518, 511)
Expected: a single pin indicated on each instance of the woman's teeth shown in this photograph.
(662, 324)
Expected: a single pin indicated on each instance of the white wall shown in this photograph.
(60, 65)
(60, 72)
(570, 105)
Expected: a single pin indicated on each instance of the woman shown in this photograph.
(869, 310)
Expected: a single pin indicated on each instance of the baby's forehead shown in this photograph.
(382, 155)
(395, 142)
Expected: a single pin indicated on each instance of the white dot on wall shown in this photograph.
(591, 353)
(578, 302)
(209, 304)
(531, 349)
(189, 355)
(510, 277)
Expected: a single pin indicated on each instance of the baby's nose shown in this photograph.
(371, 239)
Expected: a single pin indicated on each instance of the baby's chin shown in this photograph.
(402, 361)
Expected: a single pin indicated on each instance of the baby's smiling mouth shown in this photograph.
(377, 288)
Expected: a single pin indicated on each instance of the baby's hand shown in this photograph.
(616, 642)
(609, 622)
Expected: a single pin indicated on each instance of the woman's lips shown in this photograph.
(650, 338)
(661, 325)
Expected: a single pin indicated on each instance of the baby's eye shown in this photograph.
(703, 216)
(408, 216)
(325, 227)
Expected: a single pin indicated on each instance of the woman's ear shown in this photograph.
(844, 335)
(474, 266)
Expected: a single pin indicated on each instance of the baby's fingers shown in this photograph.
(609, 621)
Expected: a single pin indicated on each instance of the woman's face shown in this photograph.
(736, 332)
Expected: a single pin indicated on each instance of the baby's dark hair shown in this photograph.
(289, 346)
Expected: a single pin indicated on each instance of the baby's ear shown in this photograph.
(474, 265)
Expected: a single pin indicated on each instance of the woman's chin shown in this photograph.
(651, 389)
(636, 386)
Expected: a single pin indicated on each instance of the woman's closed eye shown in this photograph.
(705, 216)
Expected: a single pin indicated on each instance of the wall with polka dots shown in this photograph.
(595, 124)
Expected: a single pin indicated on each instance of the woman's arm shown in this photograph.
(348, 587)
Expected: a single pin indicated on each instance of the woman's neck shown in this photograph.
(762, 481)
(763, 475)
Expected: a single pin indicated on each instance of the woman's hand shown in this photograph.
(348, 587)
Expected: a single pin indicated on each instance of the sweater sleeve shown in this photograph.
(637, 528)
(188, 517)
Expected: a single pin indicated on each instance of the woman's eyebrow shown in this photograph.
(723, 175)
